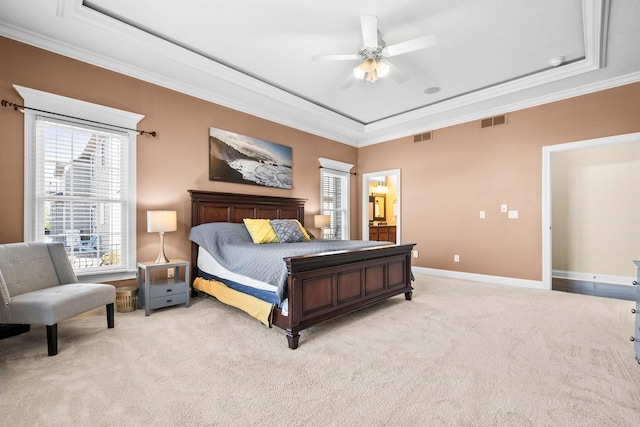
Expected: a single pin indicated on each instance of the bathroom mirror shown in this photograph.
(377, 207)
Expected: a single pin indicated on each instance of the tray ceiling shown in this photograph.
(492, 56)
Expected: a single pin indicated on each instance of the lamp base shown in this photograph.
(162, 258)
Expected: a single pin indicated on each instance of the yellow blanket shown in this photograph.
(261, 310)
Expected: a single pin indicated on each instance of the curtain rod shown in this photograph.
(17, 107)
(338, 170)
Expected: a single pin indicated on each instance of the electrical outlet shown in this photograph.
(513, 214)
(415, 254)
(170, 273)
(456, 258)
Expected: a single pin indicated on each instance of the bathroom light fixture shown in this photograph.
(381, 189)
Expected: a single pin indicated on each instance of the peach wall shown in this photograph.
(446, 182)
(168, 165)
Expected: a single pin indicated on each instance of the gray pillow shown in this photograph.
(287, 230)
(220, 232)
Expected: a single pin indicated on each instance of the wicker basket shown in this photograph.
(126, 298)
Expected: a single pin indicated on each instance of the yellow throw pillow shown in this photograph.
(304, 231)
(260, 230)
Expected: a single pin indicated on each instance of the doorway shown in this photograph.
(381, 205)
(547, 192)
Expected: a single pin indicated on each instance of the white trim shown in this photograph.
(365, 202)
(74, 107)
(63, 106)
(547, 190)
(335, 165)
(498, 280)
(592, 277)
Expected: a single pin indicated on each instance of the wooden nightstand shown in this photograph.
(165, 292)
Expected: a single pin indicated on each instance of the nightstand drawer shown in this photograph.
(168, 300)
(156, 291)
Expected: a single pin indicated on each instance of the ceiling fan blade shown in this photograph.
(348, 82)
(411, 45)
(338, 57)
(369, 30)
(396, 74)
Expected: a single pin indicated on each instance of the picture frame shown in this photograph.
(243, 159)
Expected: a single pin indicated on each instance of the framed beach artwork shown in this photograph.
(245, 160)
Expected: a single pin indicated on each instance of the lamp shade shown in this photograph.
(322, 221)
(161, 221)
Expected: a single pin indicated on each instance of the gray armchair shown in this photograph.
(38, 287)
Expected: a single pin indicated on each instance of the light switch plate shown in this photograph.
(513, 214)
(483, 215)
(503, 208)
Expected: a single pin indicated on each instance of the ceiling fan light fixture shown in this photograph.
(370, 70)
(369, 65)
(372, 77)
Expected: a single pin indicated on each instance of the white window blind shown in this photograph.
(81, 192)
(335, 203)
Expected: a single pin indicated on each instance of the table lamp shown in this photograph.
(322, 222)
(161, 222)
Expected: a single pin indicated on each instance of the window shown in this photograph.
(80, 183)
(334, 182)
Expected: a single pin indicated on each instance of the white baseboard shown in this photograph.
(592, 277)
(510, 281)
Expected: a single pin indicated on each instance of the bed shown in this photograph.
(321, 286)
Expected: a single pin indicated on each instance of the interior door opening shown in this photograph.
(381, 206)
(547, 208)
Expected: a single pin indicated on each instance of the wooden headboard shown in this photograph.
(207, 206)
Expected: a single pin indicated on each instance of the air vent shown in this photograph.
(493, 121)
(427, 136)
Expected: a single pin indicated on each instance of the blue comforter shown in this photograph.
(231, 245)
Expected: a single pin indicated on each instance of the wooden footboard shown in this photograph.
(324, 286)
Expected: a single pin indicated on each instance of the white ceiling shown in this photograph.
(256, 56)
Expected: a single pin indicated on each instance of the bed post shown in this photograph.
(292, 339)
(409, 277)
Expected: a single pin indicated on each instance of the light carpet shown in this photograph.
(460, 353)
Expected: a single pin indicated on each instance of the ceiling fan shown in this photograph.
(374, 55)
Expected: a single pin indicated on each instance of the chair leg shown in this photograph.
(110, 316)
(52, 339)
